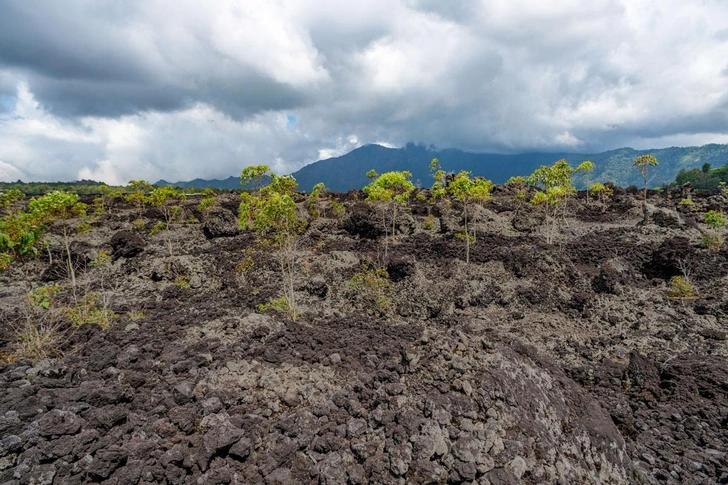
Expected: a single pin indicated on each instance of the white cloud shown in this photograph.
(182, 90)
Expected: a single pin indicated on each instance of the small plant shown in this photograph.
(182, 281)
(338, 208)
(245, 265)
(374, 287)
(279, 304)
(643, 164)
(713, 239)
(157, 228)
(138, 196)
(585, 167)
(687, 202)
(88, 311)
(83, 228)
(556, 187)
(208, 202)
(313, 198)
(43, 297)
(603, 192)
(38, 340)
(135, 315)
(162, 198)
(138, 224)
(429, 223)
(681, 288)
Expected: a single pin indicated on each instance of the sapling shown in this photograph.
(555, 187)
(59, 206)
(392, 190)
(467, 191)
(272, 213)
(162, 198)
(643, 164)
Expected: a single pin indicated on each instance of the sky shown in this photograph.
(178, 89)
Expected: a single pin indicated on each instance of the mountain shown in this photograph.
(348, 171)
(230, 183)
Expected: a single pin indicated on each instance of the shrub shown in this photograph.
(681, 288)
(374, 287)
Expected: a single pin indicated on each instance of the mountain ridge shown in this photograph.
(348, 171)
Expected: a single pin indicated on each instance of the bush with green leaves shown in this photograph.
(603, 192)
(555, 186)
(138, 195)
(166, 200)
(715, 221)
(391, 190)
(314, 196)
(373, 287)
(271, 212)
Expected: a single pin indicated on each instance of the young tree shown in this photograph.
(643, 164)
(272, 213)
(252, 177)
(468, 191)
(138, 195)
(585, 167)
(555, 186)
(162, 198)
(392, 189)
(59, 206)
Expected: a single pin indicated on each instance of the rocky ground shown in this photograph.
(535, 363)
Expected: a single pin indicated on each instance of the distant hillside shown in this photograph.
(349, 171)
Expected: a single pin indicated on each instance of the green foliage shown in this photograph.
(56, 206)
(643, 164)
(438, 187)
(556, 186)
(391, 189)
(372, 174)
(272, 213)
(252, 176)
(10, 197)
(207, 203)
(313, 197)
(20, 235)
(338, 208)
(705, 178)
(44, 296)
(601, 191)
(102, 260)
(157, 228)
(280, 305)
(468, 190)
(182, 281)
(88, 311)
(429, 223)
(373, 286)
(714, 219)
(681, 288)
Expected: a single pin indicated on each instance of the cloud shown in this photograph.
(177, 90)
